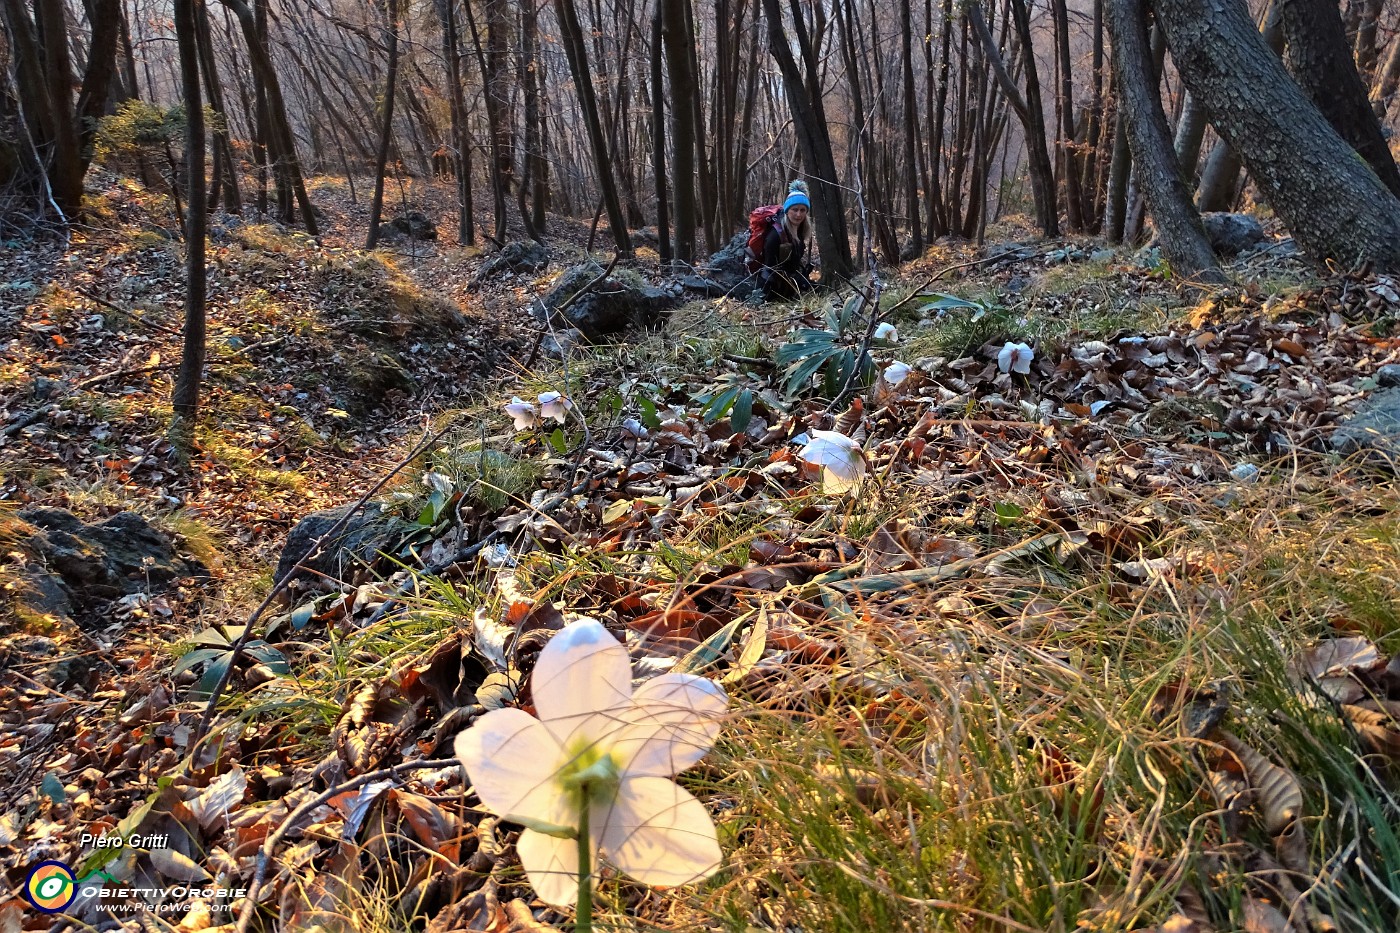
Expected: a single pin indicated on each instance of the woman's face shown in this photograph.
(797, 214)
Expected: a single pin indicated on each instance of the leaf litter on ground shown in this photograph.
(1019, 539)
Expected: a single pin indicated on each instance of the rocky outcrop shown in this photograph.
(525, 258)
(1232, 234)
(364, 536)
(726, 270)
(1372, 432)
(414, 225)
(61, 566)
(609, 307)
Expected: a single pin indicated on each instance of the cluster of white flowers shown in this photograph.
(551, 405)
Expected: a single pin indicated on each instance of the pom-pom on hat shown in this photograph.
(797, 194)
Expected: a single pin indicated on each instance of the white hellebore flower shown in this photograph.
(897, 372)
(842, 463)
(596, 741)
(523, 412)
(1017, 357)
(886, 332)
(555, 405)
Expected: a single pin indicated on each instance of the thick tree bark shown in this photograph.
(184, 400)
(98, 77)
(1179, 227)
(1332, 202)
(1321, 62)
(65, 159)
(809, 119)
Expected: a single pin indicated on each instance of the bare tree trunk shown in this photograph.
(225, 168)
(911, 127)
(1332, 202)
(65, 163)
(184, 400)
(278, 127)
(678, 42)
(1388, 82)
(1028, 109)
(1190, 131)
(1321, 62)
(536, 167)
(809, 117)
(101, 70)
(386, 123)
(1183, 238)
(572, 35)
(658, 138)
(1074, 198)
(461, 146)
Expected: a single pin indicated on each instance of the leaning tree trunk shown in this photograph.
(1183, 238)
(184, 399)
(277, 125)
(1332, 202)
(1322, 64)
(809, 119)
(577, 53)
(1028, 110)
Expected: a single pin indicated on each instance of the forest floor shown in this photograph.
(1109, 644)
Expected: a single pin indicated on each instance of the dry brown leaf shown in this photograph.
(1337, 655)
(1263, 917)
(1280, 799)
(1379, 729)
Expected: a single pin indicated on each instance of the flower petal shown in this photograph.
(658, 833)
(897, 372)
(1004, 357)
(581, 681)
(673, 721)
(552, 866)
(842, 478)
(510, 759)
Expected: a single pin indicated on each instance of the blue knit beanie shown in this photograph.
(797, 194)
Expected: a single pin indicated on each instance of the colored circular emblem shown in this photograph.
(51, 887)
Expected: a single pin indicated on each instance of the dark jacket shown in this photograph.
(785, 269)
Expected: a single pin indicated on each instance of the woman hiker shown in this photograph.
(784, 269)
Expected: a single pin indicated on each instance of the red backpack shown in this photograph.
(761, 220)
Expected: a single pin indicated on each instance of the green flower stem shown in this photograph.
(583, 922)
